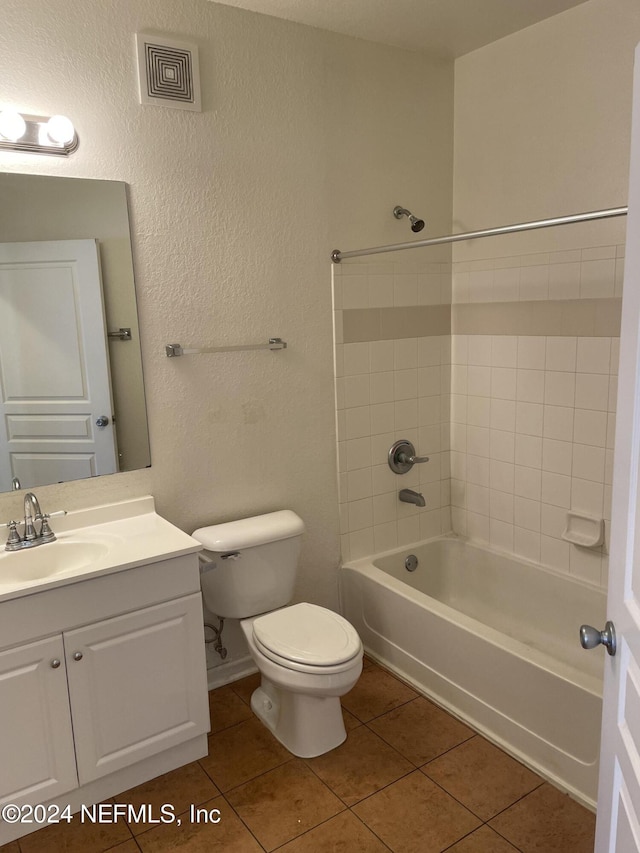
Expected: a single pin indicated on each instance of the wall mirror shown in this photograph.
(72, 401)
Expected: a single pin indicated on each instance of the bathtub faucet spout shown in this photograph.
(410, 497)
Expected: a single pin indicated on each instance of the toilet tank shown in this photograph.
(249, 566)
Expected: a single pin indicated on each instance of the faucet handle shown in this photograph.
(402, 456)
(46, 533)
(14, 536)
(411, 460)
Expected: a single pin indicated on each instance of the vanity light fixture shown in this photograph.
(37, 134)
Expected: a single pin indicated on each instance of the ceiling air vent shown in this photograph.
(168, 73)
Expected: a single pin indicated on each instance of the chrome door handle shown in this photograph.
(102, 421)
(590, 637)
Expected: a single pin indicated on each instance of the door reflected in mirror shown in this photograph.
(71, 386)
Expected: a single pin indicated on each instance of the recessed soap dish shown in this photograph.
(584, 530)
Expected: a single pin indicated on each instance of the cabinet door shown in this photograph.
(36, 740)
(137, 685)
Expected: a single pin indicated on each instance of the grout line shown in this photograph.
(248, 828)
(357, 817)
(473, 735)
(453, 797)
(257, 776)
(248, 704)
(335, 794)
(227, 727)
(424, 763)
(524, 796)
(311, 829)
(476, 830)
(126, 842)
(500, 835)
(373, 792)
(383, 788)
(388, 711)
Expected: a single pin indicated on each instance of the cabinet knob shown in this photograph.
(77, 655)
(55, 663)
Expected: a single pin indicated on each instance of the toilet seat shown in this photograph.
(307, 638)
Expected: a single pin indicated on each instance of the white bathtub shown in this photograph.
(494, 640)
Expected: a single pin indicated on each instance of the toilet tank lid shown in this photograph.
(249, 532)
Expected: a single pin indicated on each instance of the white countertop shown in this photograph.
(92, 542)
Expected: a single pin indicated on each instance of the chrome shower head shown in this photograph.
(416, 224)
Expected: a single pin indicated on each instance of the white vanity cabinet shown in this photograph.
(135, 685)
(103, 681)
(36, 738)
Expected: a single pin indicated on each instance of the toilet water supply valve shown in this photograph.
(217, 637)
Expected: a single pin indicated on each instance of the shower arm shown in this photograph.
(337, 255)
(399, 212)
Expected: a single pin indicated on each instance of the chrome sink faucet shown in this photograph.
(408, 496)
(32, 512)
(31, 538)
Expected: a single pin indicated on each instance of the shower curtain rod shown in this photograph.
(337, 255)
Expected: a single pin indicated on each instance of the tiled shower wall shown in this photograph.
(514, 401)
(535, 343)
(393, 370)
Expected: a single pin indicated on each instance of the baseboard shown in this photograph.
(226, 673)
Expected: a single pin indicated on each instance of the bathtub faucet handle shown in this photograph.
(402, 456)
(411, 460)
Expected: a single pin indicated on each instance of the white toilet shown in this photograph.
(308, 656)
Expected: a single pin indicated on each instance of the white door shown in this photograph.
(618, 823)
(54, 370)
(36, 741)
(137, 685)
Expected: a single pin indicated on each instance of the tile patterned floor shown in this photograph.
(409, 778)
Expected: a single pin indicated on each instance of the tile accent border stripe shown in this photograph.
(380, 324)
(590, 318)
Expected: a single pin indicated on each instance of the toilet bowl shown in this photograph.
(298, 699)
(308, 656)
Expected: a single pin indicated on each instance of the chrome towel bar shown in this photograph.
(121, 334)
(174, 350)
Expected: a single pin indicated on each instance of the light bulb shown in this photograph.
(12, 125)
(60, 130)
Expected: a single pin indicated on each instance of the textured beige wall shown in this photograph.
(542, 129)
(306, 142)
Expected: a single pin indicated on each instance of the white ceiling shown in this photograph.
(447, 28)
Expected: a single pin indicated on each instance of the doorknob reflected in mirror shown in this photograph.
(590, 637)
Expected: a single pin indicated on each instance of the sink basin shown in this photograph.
(90, 543)
(51, 559)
